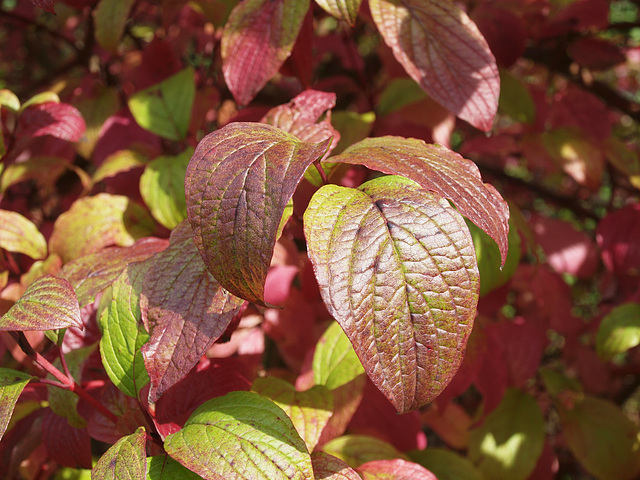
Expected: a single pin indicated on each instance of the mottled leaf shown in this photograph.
(121, 161)
(619, 331)
(163, 467)
(257, 38)
(162, 188)
(238, 183)
(93, 223)
(125, 460)
(184, 308)
(508, 443)
(12, 383)
(165, 108)
(328, 467)
(346, 10)
(397, 269)
(59, 120)
(241, 436)
(442, 171)
(443, 50)
(47, 304)
(446, 464)
(396, 469)
(358, 449)
(91, 274)
(335, 363)
(19, 234)
(110, 18)
(309, 410)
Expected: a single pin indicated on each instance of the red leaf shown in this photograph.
(59, 120)
(257, 39)
(66, 445)
(577, 107)
(396, 469)
(46, 5)
(595, 53)
(618, 236)
(443, 51)
(503, 30)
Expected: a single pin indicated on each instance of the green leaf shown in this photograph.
(441, 48)
(44, 170)
(110, 18)
(619, 331)
(241, 436)
(162, 188)
(353, 127)
(18, 234)
(9, 99)
(399, 93)
(96, 108)
(123, 333)
(39, 98)
(237, 186)
(93, 223)
(328, 467)
(515, 99)
(12, 383)
(346, 10)
(165, 108)
(163, 467)
(47, 304)
(309, 411)
(335, 363)
(437, 169)
(509, 442)
(125, 460)
(118, 162)
(396, 268)
(358, 449)
(445, 464)
(602, 438)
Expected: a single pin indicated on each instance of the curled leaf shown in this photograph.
(19, 234)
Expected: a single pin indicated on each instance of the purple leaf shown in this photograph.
(237, 186)
(442, 49)
(59, 120)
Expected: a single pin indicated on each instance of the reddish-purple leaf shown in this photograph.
(46, 5)
(257, 39)
(185, 310)
(439, 170)
(595, 53)
(442, 50)
(237, 186)
(59, 120)
(396, 469)
(66, 445)
(328, 467)
(618, 236)
(47, 304)
(396, 268)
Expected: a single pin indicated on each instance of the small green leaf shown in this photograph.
(47, 304)
(163, 467)
(96, 108)
(509, 442)
(110, 18)
(346, 10)
(42, 97)
(121, 161)
(162, 188)
(125, 460)
(353, 127)
(358, 449)
(399, 93)
(445, 464)
(165, 108)
(18, 234)
(12, 383)
(619, 331)
(309, 410)
(241, 436)
(515, 99)
(335, 363)
(9, 99)
(394, 469)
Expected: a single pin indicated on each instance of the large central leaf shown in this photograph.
(238, 184)
(397, 269)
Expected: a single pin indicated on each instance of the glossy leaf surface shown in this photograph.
(328, 467)
(241, 436)
(125, 460)
(335, 363)
(396, 268)
(396, 469)
(257, 39)
(443, 50)
(47, 304)
(185, 310)
(619, 331)
(346, 10)
(442, 171)
(19, 234)
(12, 383)
(237, 186)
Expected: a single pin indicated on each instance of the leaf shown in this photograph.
(18, 234)
(335, 363)
(123, 333)
(96, 107)
(328, 467)
(186, 311)
(46, 5)
(9, 100)
(163, 467)
(257, 38)
(309, 410)
(60, 120)
(346, 10)
(442, 50)
(396, 469)
(118, 162)
(515, 99)
(446, 465)
(44, 170)
(12, 383)
(47, 304)
(93, 223)
(241, 436)
(358, 449)
(442, 171)
(238, 183)
(619, 331)
(110, 18)
(602, 438)
(399, 93)
(165, 108)
(507, 445)
(162, 188)
(125, 460)
(65, 445)
(396, 268)
(91, 274)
